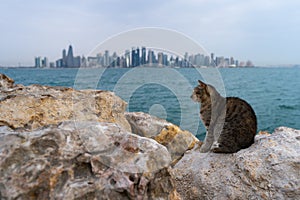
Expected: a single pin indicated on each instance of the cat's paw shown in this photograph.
(216, 147)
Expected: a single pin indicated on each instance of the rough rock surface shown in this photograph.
(145, 125)
(84, 160)
(269, 169)
(44, 157)
(34, 106)
(176, 140)
(6, 82)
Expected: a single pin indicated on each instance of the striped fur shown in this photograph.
(230, 122)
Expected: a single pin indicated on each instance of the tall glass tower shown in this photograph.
(70, 57)
(143, 58)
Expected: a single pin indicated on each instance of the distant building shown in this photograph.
(64, 58)
(220, 61)
(185, 61)
(151, 57)
(206, 61)
(191, 61)
(135, 58)
(122, 62)
(39, 62)
(100, 60)
(45, 62)
(70, 57)
(160, 58)
(237, 63)
(212, 59)
(127, 58)
(197, 60)
(76, 61)
(226, 62)
(232, 61)
(84, 62)
(52, 65)
(242, 64)
(165, 60)
(143, 57)
(92, 61)
(115, 60)
(249, 64)
(59, 63)
(106, 60)
(132, 57)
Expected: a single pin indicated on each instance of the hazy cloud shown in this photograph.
(265, 31)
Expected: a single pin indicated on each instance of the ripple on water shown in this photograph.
(287, 107)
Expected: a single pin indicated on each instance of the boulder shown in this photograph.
(34, 106)
(145, 125)
(83, 160)
(171, 136)
(269, 169)
(6, 82)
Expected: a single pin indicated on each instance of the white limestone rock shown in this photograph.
(269, 169)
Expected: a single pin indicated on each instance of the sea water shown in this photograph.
(274, 93)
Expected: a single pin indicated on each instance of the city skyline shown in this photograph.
(139, 56)
(264, 31)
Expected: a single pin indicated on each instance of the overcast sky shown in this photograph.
(264, 31)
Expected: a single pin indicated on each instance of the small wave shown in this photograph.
(287, 107)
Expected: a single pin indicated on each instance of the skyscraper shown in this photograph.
(185, 62)
(165, 60)
(212, 59)
(64, 58)
(133, 57)
(232, 61)
(76, 61)
(127, 58)
(143, 57)
(70, 57)
(45, 62)
(151, 57)
(41, 62)
(198, 59)
(160, 58)
(207, 61)
(106, 58)
(137, 57)
(114, 60)
(38, 62)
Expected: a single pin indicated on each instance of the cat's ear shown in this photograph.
(201, 84)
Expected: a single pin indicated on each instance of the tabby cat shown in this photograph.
(230, 122)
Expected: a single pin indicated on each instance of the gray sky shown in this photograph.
(264, 31)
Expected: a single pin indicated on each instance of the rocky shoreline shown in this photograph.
(61, 143)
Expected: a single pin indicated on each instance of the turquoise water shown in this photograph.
(272, 92)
